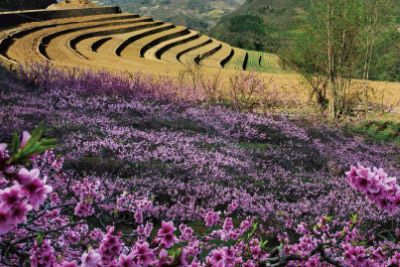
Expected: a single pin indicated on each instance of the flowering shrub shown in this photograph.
(56, 228)
(146, 180)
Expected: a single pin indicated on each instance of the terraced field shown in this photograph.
(127, 43)
(122, 41)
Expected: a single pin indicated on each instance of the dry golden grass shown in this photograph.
(216, 59)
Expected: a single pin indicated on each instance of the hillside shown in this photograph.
(195, 14)
(260, 24)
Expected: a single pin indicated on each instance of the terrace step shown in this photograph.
(236, 62)
(173, 55)
(71, 40)
(128, 41)
(9, 37)
(156, 52)
(200, 53)
(259, 61)
(140, 46)
(165, 38)
(139, 24)
(215, 60)
(64, 30)
(107, 52)
(96, 44)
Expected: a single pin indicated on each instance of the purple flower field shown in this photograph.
(189, 158)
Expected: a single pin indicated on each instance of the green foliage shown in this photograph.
(386, 59)
(252, 231)
(354, 218)
(379, 131)
(35, 145)
(175, 251)
(253, 146)
(351, 20)
(247, 23)
(336, 44)
(275, 19)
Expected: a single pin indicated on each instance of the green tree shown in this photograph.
(378, 19)
(336, 35)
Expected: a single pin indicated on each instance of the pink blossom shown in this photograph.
(3, 148)
(165, 235)
(110, 246)
(232, 257)
(255, 248)
(3, 153)
(164, 259)
(395, 259)
(228, 224)
(24, 176)
(96, 234)
(313, 262)
(245, 225)
(233, 206)
(143, 254)
(186, 232)
(144, 231)
(68, 264)
(378, 187)
(10, 196)
(84, 208)
(91, 258)
(211, 218)
(216, 258)
(36, 191)
(43, 255)
(249, 263)
(5, 224)
(25, 138)
(355, 256)
(19, 212)
(126, 261)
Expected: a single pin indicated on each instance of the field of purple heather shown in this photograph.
(189, 157)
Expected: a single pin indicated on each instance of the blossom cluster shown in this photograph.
(68, 242)
(28, 191)
(377, 186)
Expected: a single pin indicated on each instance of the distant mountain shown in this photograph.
(201, 15)
(260, 24)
